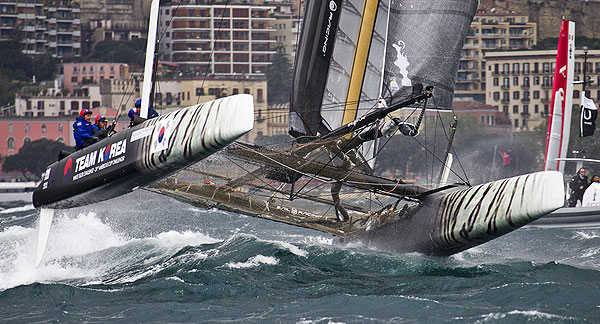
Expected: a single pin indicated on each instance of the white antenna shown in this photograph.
(149, 64)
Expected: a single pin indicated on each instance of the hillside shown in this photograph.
(548, 13)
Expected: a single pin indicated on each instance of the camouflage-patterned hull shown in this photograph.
(450, 222)
(145, 153)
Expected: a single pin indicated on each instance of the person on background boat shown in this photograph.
(591, 197)
(101, 127)
(578, 184)
(135, 111)
(83, 131)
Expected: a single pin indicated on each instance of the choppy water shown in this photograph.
(147, 258)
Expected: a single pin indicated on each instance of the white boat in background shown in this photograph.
(557, 142)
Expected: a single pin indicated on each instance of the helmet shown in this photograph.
(101, 118)
(138, 103)
(84, 112)
(132, 112)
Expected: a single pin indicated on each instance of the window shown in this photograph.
(60, 128)
(74, 79)
(26, 128)
(43, 128)
(526, 81)
(11, 143)
(536, 94)
(10, 128)
(496, 96)
(259, 95)
(515, 109)
(496, 82)
(526, 109)
(516, 95)
(26, 140)
(515, 68)
(575, 93)
(536, 81)
(515, 81)
(525, 123)
(199, 92)
(516, 123)
(247, 91)
(75, 105)
(490, 120)
(536, 109)
(525, 67)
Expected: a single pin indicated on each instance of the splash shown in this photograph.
(253, 262)
(70, 237)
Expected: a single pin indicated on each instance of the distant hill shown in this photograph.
(548, 13)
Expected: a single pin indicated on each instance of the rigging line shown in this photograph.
(435, 128)
(173, 14)
(212, 50)
(121, 106)
(240, 145)
(437, 158)
(340, 150)
(466, 180)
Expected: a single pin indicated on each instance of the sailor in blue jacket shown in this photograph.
(83, 130)
(136, 111)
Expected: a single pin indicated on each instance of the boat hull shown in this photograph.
(145, 153)
(450, 222)
(571, 217)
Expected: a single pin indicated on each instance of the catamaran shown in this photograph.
(559, 128)
(358, 62)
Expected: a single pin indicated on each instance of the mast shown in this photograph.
(147, 89)
(559, 120)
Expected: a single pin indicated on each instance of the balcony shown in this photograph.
(525, 86)
(505, 100)
(505, 87)
(525, 100)
(545, 100)
(546, 86)
(525, 114)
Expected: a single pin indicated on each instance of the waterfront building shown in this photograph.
(519, 84)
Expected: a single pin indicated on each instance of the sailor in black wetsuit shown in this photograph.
(578, 184)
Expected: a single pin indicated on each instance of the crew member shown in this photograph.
(101, 128)
(135, 111)
(578, 184)
(83, 130)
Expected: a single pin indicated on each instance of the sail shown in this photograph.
(425, 40)
(339, 67)
(557, 137)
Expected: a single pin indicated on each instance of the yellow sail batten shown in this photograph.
(360, 60)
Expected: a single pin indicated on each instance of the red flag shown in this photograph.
(505, 158)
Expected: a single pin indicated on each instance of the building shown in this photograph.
(113, 20)
(490, 30)
(287, 35)
(48, 100)
(217, 39)
(43, 26)
(519, 84)
(74, 75)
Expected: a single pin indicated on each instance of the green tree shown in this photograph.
(130, 52)
(33, 157)
(279, 78)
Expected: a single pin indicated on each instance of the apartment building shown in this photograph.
(217, 39)
(43, 26)
(287, 35)
(48, 99)
(490, 30)
(519, 84)
(74, 75)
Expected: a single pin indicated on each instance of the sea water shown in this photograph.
(148, 258)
